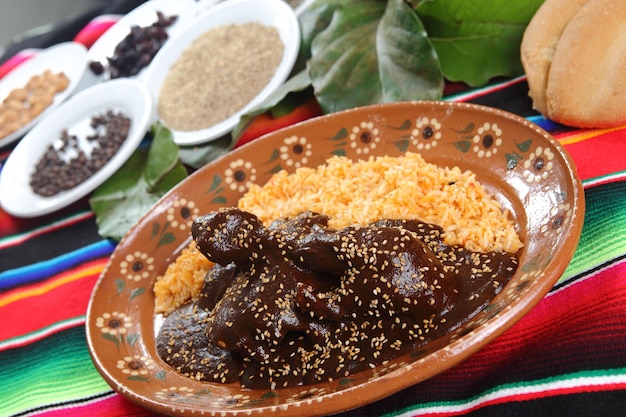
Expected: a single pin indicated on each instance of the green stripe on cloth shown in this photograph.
(30, 375)
(605, 220)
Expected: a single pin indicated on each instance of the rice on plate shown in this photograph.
(362, 192)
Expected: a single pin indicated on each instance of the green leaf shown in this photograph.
(122, 199)
(343, 67)
(167, 238)
(408, 65)
(512, 159)
(199, 155)
(120, 284)
(402, 145)
(136, 292)
(215, 184)
(313, 20)
(274, 156)
(418, 353)
(467, 129)
(524, 146)
(131, 339)
(276, 168)
(162, 155)
(156, 228)
(479, 39)
(112, 338)
(342, 134)
(463, 145)
(219, 200)
(269, 394)
(346, 381)
(406, 125)
(129, 193)
(373, 52)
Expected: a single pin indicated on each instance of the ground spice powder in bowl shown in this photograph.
(218, 74)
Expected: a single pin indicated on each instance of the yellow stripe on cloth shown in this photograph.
(88, 269)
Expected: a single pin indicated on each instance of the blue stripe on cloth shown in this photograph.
(545, 124)
(42, 270)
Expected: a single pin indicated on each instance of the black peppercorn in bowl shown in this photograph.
(75, 149)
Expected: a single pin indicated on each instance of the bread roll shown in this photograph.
(539, 44)
(587, 78)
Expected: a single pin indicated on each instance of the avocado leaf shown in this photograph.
(373, 52)
(128, 194)
(477, 40)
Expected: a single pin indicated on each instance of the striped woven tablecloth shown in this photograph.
(567, 357)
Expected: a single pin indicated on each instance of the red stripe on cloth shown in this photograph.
(594, 152)
(112, 406)
(11, 225)
(47, 228)
(62, 297)
(577, 319)
(8, 224)
(41, 334)
(94, 29)
(16, 60)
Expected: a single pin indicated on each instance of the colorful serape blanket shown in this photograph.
(567, 357)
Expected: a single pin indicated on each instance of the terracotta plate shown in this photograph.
(523, 166)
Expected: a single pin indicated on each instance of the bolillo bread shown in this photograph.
(574, 55)
(539, 45)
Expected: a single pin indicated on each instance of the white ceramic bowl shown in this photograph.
(275, 13)
(128, 96)
(143, 15)
(67, 57)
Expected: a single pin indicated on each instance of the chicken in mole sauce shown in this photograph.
(298, 303)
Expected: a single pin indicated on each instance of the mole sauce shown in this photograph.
(298, 303)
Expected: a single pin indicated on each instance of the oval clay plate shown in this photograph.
(518, 162)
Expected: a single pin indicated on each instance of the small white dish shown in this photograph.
(67, 57)
(144, 15)
(274, 13)
(124, 95)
